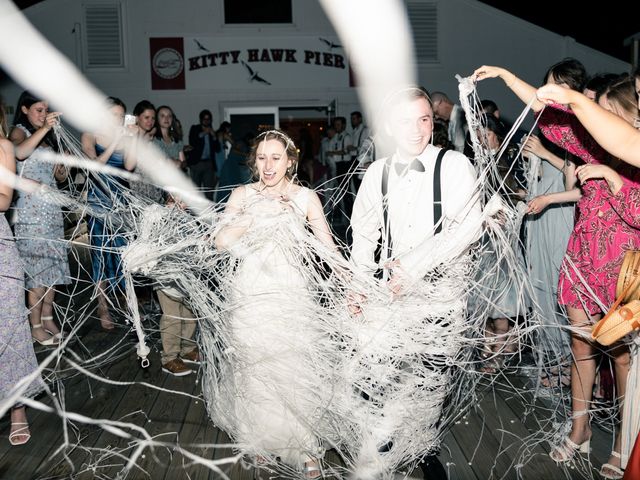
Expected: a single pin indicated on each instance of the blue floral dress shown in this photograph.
(39, 226)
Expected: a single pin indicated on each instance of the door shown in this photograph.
(248, 122)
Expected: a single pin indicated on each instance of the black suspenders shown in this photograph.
(437, 193)
(437, 198)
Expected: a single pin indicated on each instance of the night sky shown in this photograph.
(605, 28)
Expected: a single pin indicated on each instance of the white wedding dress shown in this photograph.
(267, 396)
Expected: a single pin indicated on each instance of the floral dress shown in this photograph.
(39, 226)
(17, 358)
(606, 225)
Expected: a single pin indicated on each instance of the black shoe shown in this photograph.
(432, 469)
(385, 447)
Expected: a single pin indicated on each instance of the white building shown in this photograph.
(192, 55)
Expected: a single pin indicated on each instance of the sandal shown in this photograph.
(567, 449)
(49, 342)
(58, 336)
(611, 471)
(493, 364)
(24, 432)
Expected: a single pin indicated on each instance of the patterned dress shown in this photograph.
(39, 226)
(171, 150)
(606, 226)
(17, 358)
(106, 241)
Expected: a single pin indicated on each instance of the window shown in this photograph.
(257, 11)
(103, 35)
(423, 17)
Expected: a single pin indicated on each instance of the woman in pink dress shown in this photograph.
(604, 230)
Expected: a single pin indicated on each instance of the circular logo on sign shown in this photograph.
(168, 63)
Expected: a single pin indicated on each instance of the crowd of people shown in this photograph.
(414, 218)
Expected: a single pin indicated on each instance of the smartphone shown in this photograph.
(129, 120)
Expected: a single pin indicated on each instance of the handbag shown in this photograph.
(629, 271)
(622, 320)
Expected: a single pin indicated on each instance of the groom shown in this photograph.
(420, 207)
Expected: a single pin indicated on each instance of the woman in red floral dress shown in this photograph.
(606, 227)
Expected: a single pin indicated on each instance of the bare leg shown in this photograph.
(620, 357)
(312, 469)
(583, 374)
(103, 309)
(35, 297)
(501, 329)
(489, 347)
(489, 336)
(20, 425)
(46, 314)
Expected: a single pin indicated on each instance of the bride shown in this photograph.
(269, 393)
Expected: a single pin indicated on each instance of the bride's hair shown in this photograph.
(289, 147)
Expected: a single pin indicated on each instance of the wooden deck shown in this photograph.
(481, 445)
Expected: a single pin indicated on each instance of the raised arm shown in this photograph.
(25, 146)
(625, 195)
(522, 89)
(538, 204)
(534, 145)
(8, 161)
(611, 132)
(88, 141)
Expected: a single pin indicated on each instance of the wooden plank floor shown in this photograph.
(481, 445)
(484, 444)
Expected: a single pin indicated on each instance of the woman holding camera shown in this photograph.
(105, 191)
(39, 224)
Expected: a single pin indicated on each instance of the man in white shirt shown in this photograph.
(409, 198)
(359, 132)
(423, 241)
(453, 114)
(340, 163)
(359, 137)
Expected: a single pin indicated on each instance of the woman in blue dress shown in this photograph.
(104, 192)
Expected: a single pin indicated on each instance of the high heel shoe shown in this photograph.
(23, 431)
(614, 473)
(49, 342)
(568, 448)
(58, 336)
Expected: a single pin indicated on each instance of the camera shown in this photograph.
(129, 120)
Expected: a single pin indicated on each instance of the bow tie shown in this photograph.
(414, 165)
